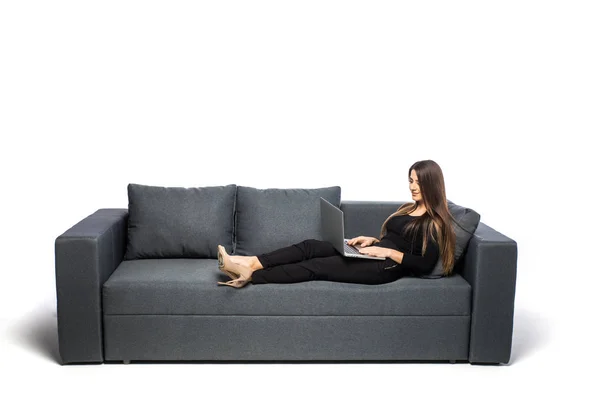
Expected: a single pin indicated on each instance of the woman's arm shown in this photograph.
(395, 255)
(418, 264)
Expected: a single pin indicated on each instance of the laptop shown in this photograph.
(332, 229)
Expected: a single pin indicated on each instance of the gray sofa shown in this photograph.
(170, 308)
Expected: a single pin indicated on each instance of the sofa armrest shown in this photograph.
(85, 256)
(490, 267)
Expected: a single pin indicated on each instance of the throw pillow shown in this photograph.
(268, 219)
(468, 220)
(177, 222)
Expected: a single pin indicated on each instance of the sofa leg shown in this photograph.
(452, 361)
(126, 361)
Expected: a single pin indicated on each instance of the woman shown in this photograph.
(407, 250)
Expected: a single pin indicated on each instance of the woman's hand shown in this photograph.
(375, 251)
(363, 241)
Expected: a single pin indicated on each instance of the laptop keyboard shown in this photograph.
(350, 249)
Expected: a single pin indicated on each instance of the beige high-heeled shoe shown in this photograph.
(236, 283)
(220, 255)
(229, 268)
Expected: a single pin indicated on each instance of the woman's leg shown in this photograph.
(305, 250)
(335, 268)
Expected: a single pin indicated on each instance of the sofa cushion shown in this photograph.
(268, 219)
(468, 220)
(172, 222)
(189, 287)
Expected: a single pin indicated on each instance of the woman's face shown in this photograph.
(413, 184)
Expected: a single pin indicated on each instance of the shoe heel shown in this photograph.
(236, 283)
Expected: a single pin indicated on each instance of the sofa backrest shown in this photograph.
(366, 217)
(176, 222)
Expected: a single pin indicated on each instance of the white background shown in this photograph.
(504, 96)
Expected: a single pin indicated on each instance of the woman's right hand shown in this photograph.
(363, 241)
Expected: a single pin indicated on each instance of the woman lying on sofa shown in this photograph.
(407, 250)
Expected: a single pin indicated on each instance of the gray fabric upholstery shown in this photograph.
(286, 337)
(491, 269)
(320, 320)
(177, 222)
(85, 256)
(268, 219)
(366, 217)
(188, 287)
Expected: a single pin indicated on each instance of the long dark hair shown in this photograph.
(437, 217)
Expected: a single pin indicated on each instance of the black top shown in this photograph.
(413, 262)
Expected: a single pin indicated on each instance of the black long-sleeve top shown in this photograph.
(413, 262)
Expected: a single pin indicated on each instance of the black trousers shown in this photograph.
(314, 259)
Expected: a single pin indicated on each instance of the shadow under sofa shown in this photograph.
(111, 309)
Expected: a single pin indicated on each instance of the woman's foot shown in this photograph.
(248, 261)
(241, 269)
(251, 262)
(221, 254)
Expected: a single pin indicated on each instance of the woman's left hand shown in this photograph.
(375, 251)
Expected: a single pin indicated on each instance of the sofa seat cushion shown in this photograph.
(189, 286)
